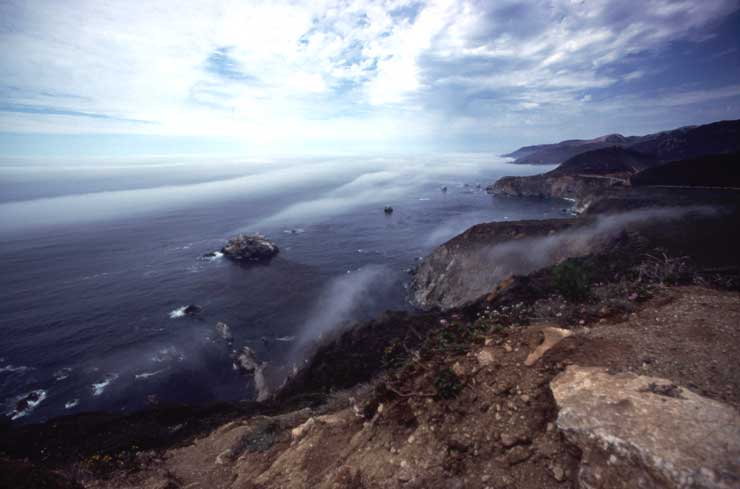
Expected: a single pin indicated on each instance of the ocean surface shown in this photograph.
(98, 258)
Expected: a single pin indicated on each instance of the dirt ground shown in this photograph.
(463, 411)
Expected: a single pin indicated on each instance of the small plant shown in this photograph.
(663, 269)
(258, 439)
(447, 383)
(393, 355)
(572, 280)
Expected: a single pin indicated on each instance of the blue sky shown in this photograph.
(97, 77)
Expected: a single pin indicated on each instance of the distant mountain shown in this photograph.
(685, 142)
(689, 142)
(551, 154)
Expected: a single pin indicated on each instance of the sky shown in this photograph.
(117, 78)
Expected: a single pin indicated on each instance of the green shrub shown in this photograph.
(571, 280)
(447, 383)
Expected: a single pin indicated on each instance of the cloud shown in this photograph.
(334, 71)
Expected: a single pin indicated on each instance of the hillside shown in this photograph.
(685, 142)
(610, 161)
(706, 171)
(583, 175)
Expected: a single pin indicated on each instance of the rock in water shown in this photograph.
(250, 248)
(635, 434)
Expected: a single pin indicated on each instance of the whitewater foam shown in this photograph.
(71, 404)
(62, 373)
(216, 255)
(146, 375)
(12, 369)
(168, 354)
(178, 313)
(30, 404)
(99, 387)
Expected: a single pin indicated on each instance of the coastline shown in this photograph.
(368, 364)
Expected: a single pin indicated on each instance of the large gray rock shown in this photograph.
(644, 432)
(250, 248)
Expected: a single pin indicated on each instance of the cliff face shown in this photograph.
(580, 189)
(470, 265)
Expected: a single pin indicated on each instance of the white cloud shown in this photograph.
(326, 70)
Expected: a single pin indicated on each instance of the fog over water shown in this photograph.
(100, 255)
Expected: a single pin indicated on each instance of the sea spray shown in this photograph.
(342, 299)
(448, 279)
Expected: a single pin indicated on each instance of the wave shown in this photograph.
(12, 369)
(62, 373)
(146, 375)
(24, 404)
(71, 404)
(168, 354)
(178, 313)
(99, 387)
(214, 256)
(285, 338)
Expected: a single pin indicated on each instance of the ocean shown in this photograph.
(100, 256)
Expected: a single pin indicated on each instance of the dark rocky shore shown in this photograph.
(533, 332)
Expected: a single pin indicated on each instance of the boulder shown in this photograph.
(192, 310)
(249, 248)
(551, 336)
(644, 432)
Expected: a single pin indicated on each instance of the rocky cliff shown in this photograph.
(471, 264)
(580, 178)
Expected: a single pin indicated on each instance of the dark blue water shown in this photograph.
(94, 263)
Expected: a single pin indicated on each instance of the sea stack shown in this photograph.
(250, 248)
